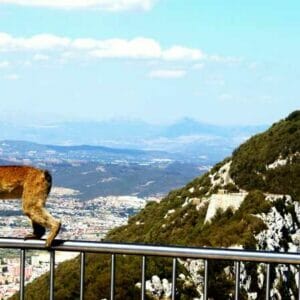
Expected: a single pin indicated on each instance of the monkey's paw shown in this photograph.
(54, 232)
(31, 236)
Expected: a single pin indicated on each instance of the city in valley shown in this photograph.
(81, 220)
(94, 190)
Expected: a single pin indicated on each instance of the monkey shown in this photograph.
(33, 186)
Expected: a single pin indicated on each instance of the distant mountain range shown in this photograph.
(186, 136)
(34, 151)
(138, 158)
(101, 171)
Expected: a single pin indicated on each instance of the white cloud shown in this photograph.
(36, 42)
(199, 66)
(253, 65)
(40, 57)
(182, 53)
(27, 63)
(109, 5)
(4, 64)
(167, 74)
(12, 77)
(45, 46)
(225, 59)
(137, 48)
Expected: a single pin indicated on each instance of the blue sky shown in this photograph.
(222, 62)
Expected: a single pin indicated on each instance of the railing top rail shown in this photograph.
(154, 250)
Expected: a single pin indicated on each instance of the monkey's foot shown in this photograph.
(54, 232)
(31, 236)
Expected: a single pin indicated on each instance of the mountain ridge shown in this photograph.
(101, 171)
(184, 136)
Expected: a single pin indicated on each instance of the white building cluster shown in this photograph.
(81, 220)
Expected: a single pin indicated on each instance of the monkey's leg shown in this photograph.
(54, 226)
(40, 216)
(38, 231)
(35, 193)
(43, 218)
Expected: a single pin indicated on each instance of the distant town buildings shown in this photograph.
(82, 220)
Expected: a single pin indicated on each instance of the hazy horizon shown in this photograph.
(39, 121)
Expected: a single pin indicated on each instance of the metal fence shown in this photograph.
(113, 249)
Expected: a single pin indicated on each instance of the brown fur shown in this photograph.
(32, 185)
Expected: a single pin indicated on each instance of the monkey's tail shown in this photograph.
(48, 178)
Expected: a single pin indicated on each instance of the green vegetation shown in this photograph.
(224, 230)
(249, 162)
(177, 220)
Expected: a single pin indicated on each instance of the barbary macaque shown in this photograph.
(32, 185)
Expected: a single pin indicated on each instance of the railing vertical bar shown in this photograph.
(205, 279)
(174, 278)
(268, 282)
(112, 277)
(299, 282)
(82, 274)
(143, 288)
(22, 273)
(52, 268)
(237, 280)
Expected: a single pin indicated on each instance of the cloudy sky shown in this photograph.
(222, 62)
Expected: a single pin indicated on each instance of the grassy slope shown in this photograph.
(251, 158)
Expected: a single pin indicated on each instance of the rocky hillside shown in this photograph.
(250, 201)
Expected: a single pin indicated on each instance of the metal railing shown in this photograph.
(206, 254)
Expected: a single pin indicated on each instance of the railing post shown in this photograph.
(143, 287)
(52, 269)
(22, 274)
(205, 279)
(112, 277)
(82, 274)
(174, 279)
(237, 280)
(298, 282)
(268, 282)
